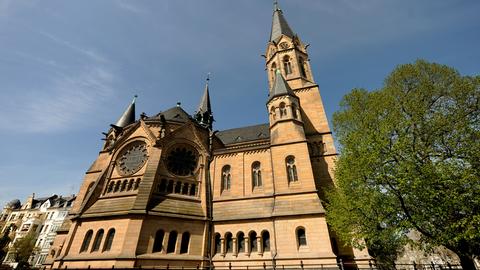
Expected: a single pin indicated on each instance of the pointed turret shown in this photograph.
(279, 24)
(204, 114)
(280, 87)
(128, 115)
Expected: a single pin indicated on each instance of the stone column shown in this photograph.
(222, 249)
(259, 245)
(247, 245)
(235, 247)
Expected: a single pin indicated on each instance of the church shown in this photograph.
(168, 191)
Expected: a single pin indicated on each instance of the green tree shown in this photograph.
(410, 160)
(22, 249)
(4, 241)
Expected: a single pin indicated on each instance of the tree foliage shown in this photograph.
(410, 160)
(22, 250)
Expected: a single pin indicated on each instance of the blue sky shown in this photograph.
(69, 68)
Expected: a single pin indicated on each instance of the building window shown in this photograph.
(287, 65)
(170, 186)
(294, 111)
(272, 71)
(283, 110)
(272, 112)
(266, 241)
(291, 169)
(97, 241)
(172, 242)
(86, 241)
(109, 240)
(130, 184)
(301, 64)
(226, 177)
(158, 243)
(137, 184)
(193, 190)
(301, 237)
(256, 174)
(228, 243)
(110, 187)
(253, 241)
(218, 243)
(241, 242)
(178, 187)
(117, 186)
(185, 243)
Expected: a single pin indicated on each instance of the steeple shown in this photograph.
(279, 24)
(280, 87)
(128, 115)
(204, 114)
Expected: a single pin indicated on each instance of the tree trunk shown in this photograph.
(466, 262)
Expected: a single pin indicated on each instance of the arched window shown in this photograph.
(137, 184)
(172, 242)
(86, 241)
(218, 243)
(97, 241)
(226, 181)
(117, 186)
(185, 243)
(301, 237)
(291, 169)
(109, 240)
(283, 110)
(253, 241)
(294, 111)
(272, 112)
(266, 241)
(273, 70)
(158, 242)
(170, 186)
(162, 186)
(110, 186)
(130, 184)
(256, 174)
(124, 185)
(301, 64)
(193, 190)
(241, 242)
(228, 242)
(178, 187)
(287, 65)
(185, 189)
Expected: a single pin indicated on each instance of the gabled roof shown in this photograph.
(244, 134)
(173, 114)
(280, 87)
(279, 25)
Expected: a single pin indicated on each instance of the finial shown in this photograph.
(178, 104)
(275, 5)
(134, 98)
(208, 76)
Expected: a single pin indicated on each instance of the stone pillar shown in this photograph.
(247, 246)
(222, 249)
(235, 247)
(259, 245)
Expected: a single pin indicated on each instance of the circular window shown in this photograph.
(132, 158)
(182, 160)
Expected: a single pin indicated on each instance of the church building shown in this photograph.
(166, 190)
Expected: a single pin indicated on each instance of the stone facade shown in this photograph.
(166, 190)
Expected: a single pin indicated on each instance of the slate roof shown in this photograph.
(279, 25)
(280, 87)
(128, 116)
(244, 134)
(173, 114)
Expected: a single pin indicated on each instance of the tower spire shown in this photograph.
(279, 24)
(280, 87)
(128, 115)
(204, 114)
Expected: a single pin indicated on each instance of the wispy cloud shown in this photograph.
(129, 6)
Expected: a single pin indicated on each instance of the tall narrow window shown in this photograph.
(170, 186)
(124, 185)
(287, 65)
(241, 242)
(226, 181)
(172, 242)
(294, 111)
(117, 186)
(158, 243)
(86, 241)
(291, 169)
(272, 112)
(228, 243)
(137, 184)
(266, 241)
(283, 110)
(301, 237)
(178, 187)
(253, 241)
(97, 241)
(273, 70)
(218, 243)
(185, 243)
(110, 187)
(109, 240)
(193, 190)
(130, 184)
(301, 65)
(163, 185)
(256, 174)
